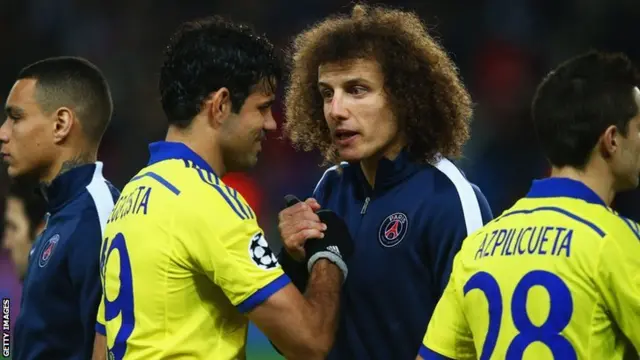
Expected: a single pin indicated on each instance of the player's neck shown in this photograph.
(201, 145)
(68, 159)
(600, 182)
(369, 165)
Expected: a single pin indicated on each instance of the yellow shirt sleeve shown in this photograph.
(448, 333)
(618, 279)
(233, 252)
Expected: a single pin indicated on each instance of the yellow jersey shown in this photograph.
(182, 260)
(557, 276)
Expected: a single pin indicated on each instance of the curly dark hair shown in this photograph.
(208, 54)
(421, 82)
(578, 100)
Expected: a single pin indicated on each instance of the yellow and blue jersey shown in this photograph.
(183, 260)
(554, 277)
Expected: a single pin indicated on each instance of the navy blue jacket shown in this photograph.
(406, 230)
(62, 287)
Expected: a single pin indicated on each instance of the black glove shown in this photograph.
(336, 246)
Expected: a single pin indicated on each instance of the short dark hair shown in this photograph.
(34, 204)
(76, 83)
(208, 54)
(421, 81)
(577, 101)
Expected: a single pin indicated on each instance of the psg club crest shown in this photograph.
(261, 253)
(393, 229)
(47, 250)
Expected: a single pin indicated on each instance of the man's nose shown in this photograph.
(270, 123)
(5, 131)
(338, 111)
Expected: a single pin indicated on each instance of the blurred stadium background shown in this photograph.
(502, 47)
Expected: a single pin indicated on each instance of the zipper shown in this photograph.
(46, 221)
(362, 213)
(364, 207)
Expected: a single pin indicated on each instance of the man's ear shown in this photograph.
(219, 106)
(64, 121)
(609, 141)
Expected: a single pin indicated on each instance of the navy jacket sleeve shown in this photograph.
(450, 225)
(84, 268)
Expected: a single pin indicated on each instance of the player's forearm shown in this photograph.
(99, 348)
(323, 303)
(323, 296)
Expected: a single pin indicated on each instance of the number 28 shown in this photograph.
(560, 312)
(123, 304)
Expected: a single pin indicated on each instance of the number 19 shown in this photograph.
(122, 305)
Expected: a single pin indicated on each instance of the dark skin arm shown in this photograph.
(303, 327)
(99, 347)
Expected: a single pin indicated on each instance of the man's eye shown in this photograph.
(265, 106)
(326, 93)
(358, 90)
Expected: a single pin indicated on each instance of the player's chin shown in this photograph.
(250, 161)
(15, 172)
(350, 153)
(631, 183)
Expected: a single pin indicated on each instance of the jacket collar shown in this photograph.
(70, 184)
(389, 172)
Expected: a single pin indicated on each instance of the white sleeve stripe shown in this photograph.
(468, 198)
(333, 168)
(102, 198)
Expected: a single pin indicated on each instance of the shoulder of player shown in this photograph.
(618, 233)
(331, 177)
(211, 199)
(448, 193)
(443, 179)
(604, 221)
(79, 223)
(196, 192)
(92, 206)
(175, 175)
(180, 177)
(618, 226)
(601, 221)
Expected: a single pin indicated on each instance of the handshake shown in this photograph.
(310, 234)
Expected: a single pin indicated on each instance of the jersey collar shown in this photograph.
(165, 150)
(69, 184)
(564, 187)
(390, 172)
